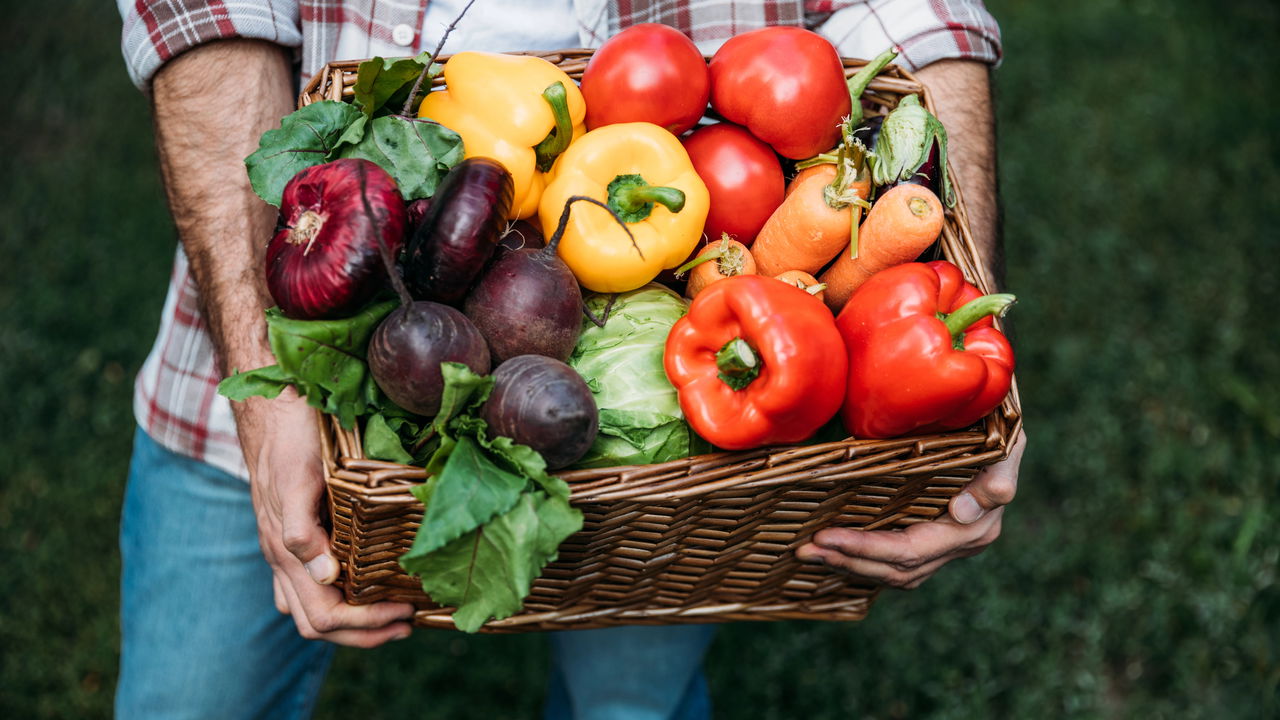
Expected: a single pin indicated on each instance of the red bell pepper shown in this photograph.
(923, 354)
(756, 362)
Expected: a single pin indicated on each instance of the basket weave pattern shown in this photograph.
(704, 539)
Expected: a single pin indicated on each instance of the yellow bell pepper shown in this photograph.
(645, 176)
(502, 107)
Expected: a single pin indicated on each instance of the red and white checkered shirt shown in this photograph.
(175, 398)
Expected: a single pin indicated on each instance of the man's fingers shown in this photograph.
(278, 595)
(993, 487)
(905, 549)
(885, 573)
(372, 635)
(327, 611)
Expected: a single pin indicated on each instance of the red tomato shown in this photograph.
(786, 85)
(647, 73)
(743, 176)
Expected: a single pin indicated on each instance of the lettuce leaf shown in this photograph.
(416, 152)
(384, 84)
(308, 136)
(323, 359)
(488, 572)
(467, 492)
(494, 517)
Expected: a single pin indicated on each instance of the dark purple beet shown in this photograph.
(406, 350)
(325, 260)
(545, 404)
(528, 303)
(460, 232)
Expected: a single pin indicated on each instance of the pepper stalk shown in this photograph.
(556, 141)
(959, 320)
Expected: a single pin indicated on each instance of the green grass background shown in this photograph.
(1137, 573)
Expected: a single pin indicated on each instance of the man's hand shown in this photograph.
(906, 558)
(282, 449)
(211, 104)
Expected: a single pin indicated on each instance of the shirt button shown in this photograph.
(402, 35)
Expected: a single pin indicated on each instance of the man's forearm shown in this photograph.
(961, 94)
(211, 104)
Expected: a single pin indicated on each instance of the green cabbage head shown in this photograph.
(640, 417)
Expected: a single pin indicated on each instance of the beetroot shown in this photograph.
(416, 212)
(528, 301)
(407, 348)
(325, 260)
(545, 404)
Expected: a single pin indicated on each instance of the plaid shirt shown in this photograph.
(175, 398)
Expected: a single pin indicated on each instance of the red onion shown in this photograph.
(325, 262)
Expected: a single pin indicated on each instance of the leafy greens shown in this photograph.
(416, 152)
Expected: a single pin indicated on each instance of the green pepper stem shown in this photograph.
(738, 363)
(634, 198)
(971, 312)
(558, 139)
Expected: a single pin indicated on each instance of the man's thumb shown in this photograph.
(308, 542)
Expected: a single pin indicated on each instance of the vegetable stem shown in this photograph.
(558, 139)
(426, 71)
(563, 224)
(861, 79)
(633, 199)
(826, 158)
(971, 312)
(738, 363)
(388, 261)
(704, 257)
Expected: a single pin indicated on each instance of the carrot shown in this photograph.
(805, 232)
(804, 281)
(903, 223)
(717, 261)
(823, 169)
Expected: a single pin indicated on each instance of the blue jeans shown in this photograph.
(202, 637)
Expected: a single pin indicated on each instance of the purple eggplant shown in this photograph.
(910, 146)
(460, 232)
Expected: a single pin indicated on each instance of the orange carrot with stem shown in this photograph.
(717, 261)
(903, 223)
(812, 224)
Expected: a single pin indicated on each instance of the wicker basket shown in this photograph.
(704, 539)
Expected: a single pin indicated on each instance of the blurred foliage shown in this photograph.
(1137, 572)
